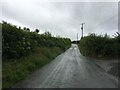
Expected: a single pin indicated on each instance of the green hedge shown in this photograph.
(100, 46)
(17, 42)
(23, 52)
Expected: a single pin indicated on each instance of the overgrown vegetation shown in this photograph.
(100, 46)
(19, 42)
(24, 51)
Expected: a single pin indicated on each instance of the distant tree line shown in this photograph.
(75, 42)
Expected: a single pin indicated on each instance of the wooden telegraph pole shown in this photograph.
(82, 29)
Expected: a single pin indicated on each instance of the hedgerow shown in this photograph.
(100, 46)
(24, 52)
(17, 42)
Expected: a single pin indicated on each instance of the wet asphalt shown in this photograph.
(69, 70)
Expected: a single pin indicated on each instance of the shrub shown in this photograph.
(100, 45)
(19, 42)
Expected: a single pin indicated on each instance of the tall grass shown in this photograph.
(101, 46)
(18, 69)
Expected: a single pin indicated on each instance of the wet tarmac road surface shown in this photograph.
(68, 70)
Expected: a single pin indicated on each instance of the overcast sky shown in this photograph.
(63, 18)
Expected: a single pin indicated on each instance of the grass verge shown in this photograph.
(17, 69)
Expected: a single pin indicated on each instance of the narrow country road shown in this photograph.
(69, 70)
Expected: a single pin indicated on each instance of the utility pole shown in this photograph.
(82, 28)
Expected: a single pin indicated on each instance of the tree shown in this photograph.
(37, 30)
(28, 29)
(24, 28)
(19, 27)
(48, 34)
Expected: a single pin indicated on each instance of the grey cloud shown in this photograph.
(64, 18)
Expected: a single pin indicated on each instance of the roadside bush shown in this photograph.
(24, 52)
(100, 45)
(17, 42)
